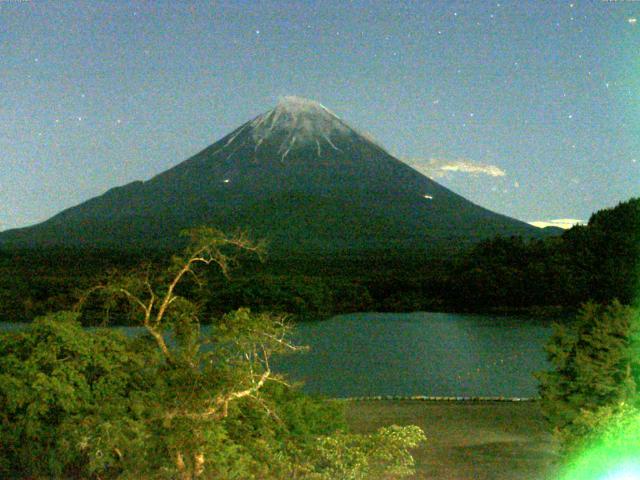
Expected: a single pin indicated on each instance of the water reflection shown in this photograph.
(420, 354)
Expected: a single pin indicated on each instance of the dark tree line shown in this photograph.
(598, 261)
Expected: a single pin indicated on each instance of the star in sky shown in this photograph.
(503, 84)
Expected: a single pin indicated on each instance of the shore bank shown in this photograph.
(478, 440)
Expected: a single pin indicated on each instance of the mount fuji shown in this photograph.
(297, 175)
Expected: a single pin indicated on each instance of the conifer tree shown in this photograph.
(595, 364)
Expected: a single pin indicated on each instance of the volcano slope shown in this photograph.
(296, 175)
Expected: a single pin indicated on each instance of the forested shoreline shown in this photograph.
(597, 261)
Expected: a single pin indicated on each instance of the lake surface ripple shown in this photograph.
(431, 354)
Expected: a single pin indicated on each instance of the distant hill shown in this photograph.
(297, 175)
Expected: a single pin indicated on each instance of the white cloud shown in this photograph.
(438, 167)
(558, 222)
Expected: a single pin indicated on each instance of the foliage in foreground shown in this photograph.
(176, 401)
(596, 372)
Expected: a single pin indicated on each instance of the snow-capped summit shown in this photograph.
(293, 125)
(294, 104)
(297, 122)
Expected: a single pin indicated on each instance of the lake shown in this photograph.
(430, 354)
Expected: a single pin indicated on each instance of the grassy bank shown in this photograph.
(467, 440)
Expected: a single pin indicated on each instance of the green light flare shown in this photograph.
(612, 450)
(630, 471)
(615, 455)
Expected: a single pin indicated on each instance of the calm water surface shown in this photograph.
(370, 354)
(433, 354)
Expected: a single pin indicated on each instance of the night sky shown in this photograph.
(528, 108)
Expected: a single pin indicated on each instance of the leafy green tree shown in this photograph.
(66, 392)
(360, 457)
(608, 445)
(178, 402)
(596, 363)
